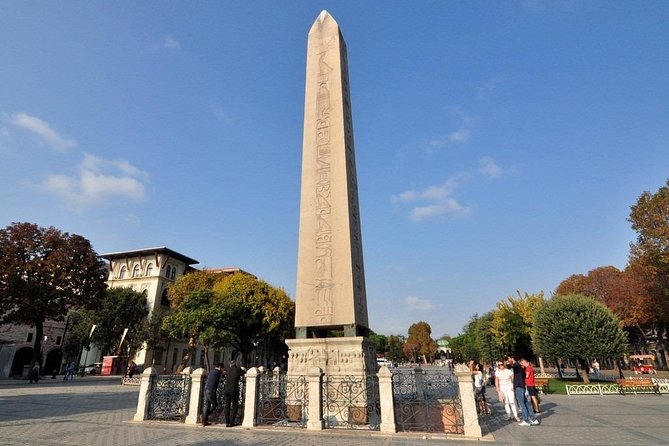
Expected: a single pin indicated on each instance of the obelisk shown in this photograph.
(331, 304)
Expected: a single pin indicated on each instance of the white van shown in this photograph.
(383, 362)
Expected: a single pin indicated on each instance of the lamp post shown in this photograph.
(88, 348)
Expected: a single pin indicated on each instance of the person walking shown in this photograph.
(529, 418)
(504, 386)
(529, 384)
(231, 392)
(479, 391)
(210, 393)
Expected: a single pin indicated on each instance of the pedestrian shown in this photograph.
(504, 386)
(210, 393)
(595, 368)
(479, 391)
(34, 373)
(529, 419)
(132, 367)
(69, 371)
(529, 384)
(231, 392)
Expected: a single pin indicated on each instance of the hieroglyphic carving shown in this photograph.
(323, 286)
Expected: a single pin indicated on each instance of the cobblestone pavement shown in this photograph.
(96, 411)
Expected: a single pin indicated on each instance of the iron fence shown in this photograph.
(427, 401)
(168, 397)
(351, 402)
(218, 414)
(283, 400)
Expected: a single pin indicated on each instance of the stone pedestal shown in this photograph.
(335, 356)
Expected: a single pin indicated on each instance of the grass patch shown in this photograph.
(557, 386)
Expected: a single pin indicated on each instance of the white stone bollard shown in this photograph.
(195, 401)
(386, 400)
(144, 388)
(314, 377)
(466, 389)
(251, 397)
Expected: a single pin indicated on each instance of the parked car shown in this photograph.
(642, 364)
(93, 369)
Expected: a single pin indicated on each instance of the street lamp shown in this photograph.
(88, 348)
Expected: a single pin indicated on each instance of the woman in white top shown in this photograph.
(504, 386)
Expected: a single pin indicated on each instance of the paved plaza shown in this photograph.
(95, 411)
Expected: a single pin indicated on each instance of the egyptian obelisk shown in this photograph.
(331, 304)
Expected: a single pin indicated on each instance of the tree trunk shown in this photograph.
(37, 347)
(583, 372)
(541, 365)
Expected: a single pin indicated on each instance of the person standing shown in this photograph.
(519, 389)
(34, 373)
(595, 368)
(210, 393)
(504, 386)
(529, 384)
(231, 392)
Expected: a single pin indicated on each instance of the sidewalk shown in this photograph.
(98, 411)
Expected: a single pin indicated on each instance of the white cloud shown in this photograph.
(172, 44)
(459, 136)
(489, 87)
(415, 303)
(221, 115)
(97, 181)
(43, 130)
(488, 168)
(439, 200)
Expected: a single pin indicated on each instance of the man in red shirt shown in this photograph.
(529, 384)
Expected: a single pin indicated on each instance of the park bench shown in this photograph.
(637, 384)
(541, 384)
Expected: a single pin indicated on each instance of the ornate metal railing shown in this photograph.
(283, 400)
(427, 401)
(351, 402)
(592, 389)
(168, 397)
(218, 415)
(134, 381)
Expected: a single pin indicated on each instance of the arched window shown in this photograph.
(149, 269)
(174, 273)
(121, 274)
(168, 271)
(164, 301)
(135, 270)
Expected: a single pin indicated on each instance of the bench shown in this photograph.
(637, 384)
(541, 384)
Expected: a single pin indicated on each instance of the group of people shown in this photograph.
(232, 375)
(514, 382)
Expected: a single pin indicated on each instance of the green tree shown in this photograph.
(420, 342)
(511, 323)
(44, 274)
(380, 343)
(464, 345)
(239, 311)
(120, 308)
(395, 349)
(577, 327)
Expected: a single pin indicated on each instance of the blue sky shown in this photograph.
(499, 144)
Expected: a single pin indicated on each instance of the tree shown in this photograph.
(44, 274)
(395, 349)
(120, 308)
(239, 311)
(650, 219)
(577, 327)
(464, 345)
(420, 342)
(511, 324)
(380, 343)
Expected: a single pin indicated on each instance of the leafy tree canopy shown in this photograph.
(577, 327)
(45, 273)
(420, 341)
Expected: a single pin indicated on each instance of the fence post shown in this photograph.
(251, 397)
(315, 378)
(195, 402)
(386, 400)
(466, 389)
(145, 394)
(420, 383)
